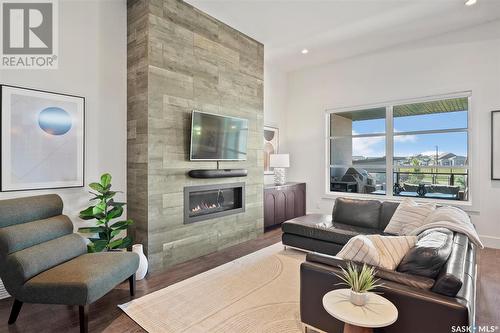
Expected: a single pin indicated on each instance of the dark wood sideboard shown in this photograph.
(283, 202)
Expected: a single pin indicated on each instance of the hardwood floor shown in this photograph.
(105, 316)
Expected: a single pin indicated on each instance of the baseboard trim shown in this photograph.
(490, 241)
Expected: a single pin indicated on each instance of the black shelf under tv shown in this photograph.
(217, 173)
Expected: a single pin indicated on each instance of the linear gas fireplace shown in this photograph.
(211, 201)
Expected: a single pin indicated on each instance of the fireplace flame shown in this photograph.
(204, 206)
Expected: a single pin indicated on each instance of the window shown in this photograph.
(426, 141)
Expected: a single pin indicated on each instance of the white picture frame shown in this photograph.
(42, 139)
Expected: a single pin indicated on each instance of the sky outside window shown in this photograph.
(425, 144)
(410, 145)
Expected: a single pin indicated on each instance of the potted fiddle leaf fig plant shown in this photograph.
(360, 281)
(104, 210)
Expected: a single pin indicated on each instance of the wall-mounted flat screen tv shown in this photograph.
(215, 137)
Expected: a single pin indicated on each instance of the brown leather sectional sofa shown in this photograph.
(425, 305)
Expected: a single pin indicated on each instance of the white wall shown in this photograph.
(275, 99)
(92, 63)
(464, 60)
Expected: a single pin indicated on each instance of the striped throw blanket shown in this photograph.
(451, 218)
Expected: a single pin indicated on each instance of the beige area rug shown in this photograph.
(255, 293)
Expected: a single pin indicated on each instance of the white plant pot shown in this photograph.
(358, 299)
(143, 262)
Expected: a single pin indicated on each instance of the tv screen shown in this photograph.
(215, 137)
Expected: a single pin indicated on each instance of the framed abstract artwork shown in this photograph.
(495, 145)
(42, 139)
(271, 146)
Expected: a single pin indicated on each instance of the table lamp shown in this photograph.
(279, 162)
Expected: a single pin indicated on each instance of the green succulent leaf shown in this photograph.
(96, 196)
(101, 221)
(122, 224)
(109, 195)
(99, 209)
(99, 245)
(106, 180)
(116, 204)
(115, 232)
(359, 280)
(87, 214)
(115, 212)
(91, 248)
(127, 241)
(115, 244)
(92, 230)
(97, 187)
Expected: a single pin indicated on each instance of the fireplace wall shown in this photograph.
(180, 59)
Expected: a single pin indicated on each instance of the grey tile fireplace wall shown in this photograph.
(180, 59)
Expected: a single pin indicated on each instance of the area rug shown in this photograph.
(255, 293)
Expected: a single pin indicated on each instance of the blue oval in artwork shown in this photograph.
(54, 120)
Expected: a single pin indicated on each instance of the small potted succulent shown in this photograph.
(359, 281)
(105, 209)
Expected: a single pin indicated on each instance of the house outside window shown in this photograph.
(417, 148)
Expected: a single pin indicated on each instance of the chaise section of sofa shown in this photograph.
(329, 233)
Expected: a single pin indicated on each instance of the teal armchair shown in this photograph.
(43, 261)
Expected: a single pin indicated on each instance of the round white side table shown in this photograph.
(377, 312)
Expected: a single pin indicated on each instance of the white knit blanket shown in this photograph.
(451, 218)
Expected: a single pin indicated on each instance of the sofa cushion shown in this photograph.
(27, 209)
(386, 211)
(376, 250)
(394, 276)
(429, 254)
(82, 280)
(19, 237)
(318, 226)
(310, 244)
(25, 264)
(358, 213)
(409, 216)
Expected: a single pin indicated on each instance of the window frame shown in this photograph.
(389, 147)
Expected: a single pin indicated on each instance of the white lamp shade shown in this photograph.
(279, 161)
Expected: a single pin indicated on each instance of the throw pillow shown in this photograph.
(360, 249)
(408, 216)
(376, 250)
(431, 252)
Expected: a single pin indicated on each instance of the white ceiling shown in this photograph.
(338, 29)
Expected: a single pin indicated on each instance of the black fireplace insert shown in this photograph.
(211, 201)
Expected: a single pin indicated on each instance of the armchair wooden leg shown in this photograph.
(16, 308)
(84, 318)
(131, 281)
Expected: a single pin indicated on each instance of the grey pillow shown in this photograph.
(355, 212)
(431, 252)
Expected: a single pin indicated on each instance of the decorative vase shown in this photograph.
(358, 299)
(279, 176)
(143, 262)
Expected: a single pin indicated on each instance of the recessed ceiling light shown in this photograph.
(306, 51)
(470, 2)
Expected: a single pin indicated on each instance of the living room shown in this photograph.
(253, 166)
